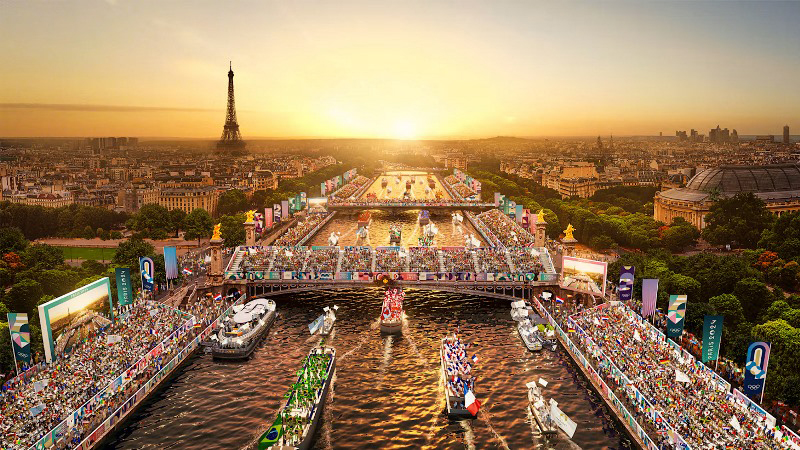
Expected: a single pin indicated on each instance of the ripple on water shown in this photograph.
(387, 389)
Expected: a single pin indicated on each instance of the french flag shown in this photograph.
(472, 403)
(559, 299)
(474, 359)
(218, 298)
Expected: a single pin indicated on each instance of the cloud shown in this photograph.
(97, 108)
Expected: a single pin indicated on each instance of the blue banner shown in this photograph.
(712, 336)
(147, 270)
(755, 373)
(171, 262)
(124, 294)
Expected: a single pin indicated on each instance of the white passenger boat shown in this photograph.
(520, 310)
(242, 330)
(530, 335)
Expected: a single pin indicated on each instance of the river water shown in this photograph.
(386, 391)
(345, 225)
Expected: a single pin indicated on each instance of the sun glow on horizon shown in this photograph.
(405, 130)
(376, 69)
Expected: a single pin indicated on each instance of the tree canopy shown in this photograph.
(738, 221)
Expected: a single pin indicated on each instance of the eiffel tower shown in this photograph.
(231, 140)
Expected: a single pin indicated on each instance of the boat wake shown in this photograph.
(387, 357)
(373, 326)
(469, 435)
(487, 419)
(407, 333)
(327, 415)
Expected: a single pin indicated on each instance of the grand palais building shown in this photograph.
(777, 184)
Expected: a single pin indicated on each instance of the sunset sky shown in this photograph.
(398, 69)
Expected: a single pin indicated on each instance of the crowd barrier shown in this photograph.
(604, 390)
(487, 234)
(316, 228)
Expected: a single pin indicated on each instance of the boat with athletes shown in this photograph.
(457, 379)
(431, 183)
(424, 217)
(395, 235)
(392, 311)
(364, 219)
(408, 185)
(384, 182)
(530, 335)
(540, 409)
(242, 330)
(297, 421)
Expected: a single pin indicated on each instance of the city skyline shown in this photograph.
(428, 71)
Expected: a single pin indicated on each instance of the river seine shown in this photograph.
(386, 391)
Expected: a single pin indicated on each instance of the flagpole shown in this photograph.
(16, 367)
(763, 388)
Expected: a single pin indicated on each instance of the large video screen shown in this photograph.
(318, 205)
(68, 319)
(585, 275)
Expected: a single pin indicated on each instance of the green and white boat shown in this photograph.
(294, 427)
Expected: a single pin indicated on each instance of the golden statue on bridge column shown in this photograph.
(216, 236)
(540, 216)
(568, 233)
(248, 216)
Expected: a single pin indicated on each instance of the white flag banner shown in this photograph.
(681, 377)
(735, 423)
(563, 422)
(518, 304)
(542, 382)
(637, 336)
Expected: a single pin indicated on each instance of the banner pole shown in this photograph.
(763, 388)
(14, 352)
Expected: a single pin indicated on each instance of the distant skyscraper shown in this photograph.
(786, 138)
(719, 135)
(231, 140)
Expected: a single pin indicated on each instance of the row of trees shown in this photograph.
(32, 274)
(615, 217)
(69, 221)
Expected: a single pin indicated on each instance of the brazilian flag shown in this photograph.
(272, 435)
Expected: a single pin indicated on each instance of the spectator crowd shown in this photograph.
(683, 391)
(35, 402)
(423, 259)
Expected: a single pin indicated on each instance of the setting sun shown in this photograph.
(405, 130)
